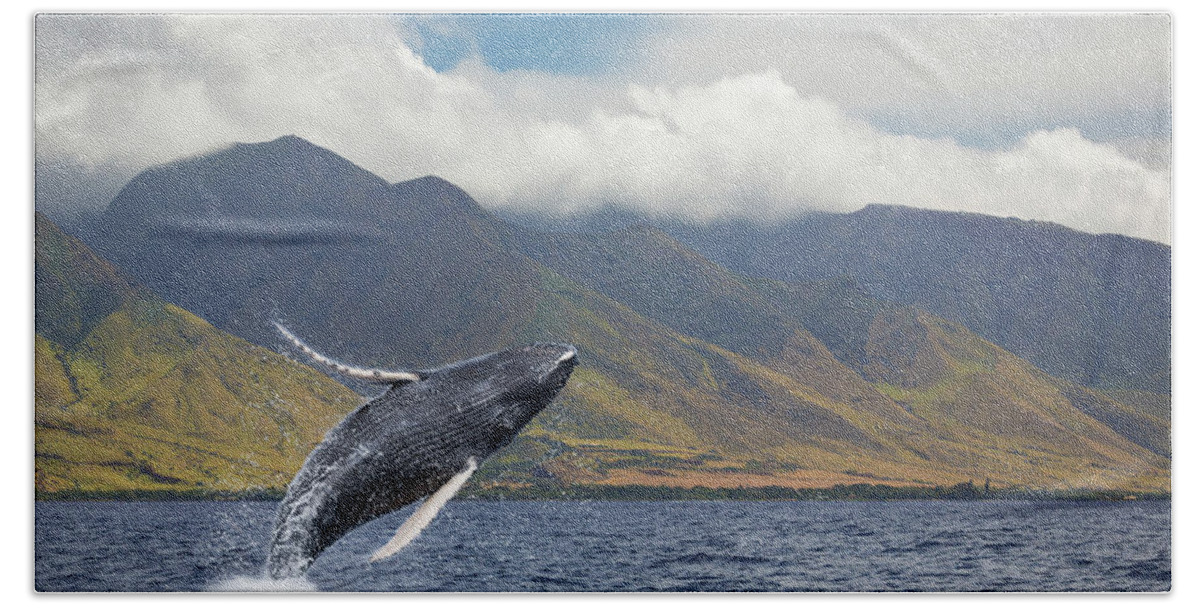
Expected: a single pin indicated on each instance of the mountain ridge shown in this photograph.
(901, 350)
(653, 400)
(1094, 309)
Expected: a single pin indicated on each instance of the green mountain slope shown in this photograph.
(73, 289)
(906, 382)
(1004, 408)
(132, 393)
(1092, 309)
(897, 346)
(689, 375)
(649, 405)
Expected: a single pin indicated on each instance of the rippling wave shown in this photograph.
(626, 546)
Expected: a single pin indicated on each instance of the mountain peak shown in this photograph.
(434, 185)
(284, 142)
(434, 189)
(291, 140)
(286, 145)
(287, 178)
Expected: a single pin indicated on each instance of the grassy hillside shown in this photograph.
(1006, 410)
(1091, 309)
(653, 407)
(689, 375)
(910, 398)
(901, 348)
(132, 393)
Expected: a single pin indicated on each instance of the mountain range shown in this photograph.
(1093, 309)
(694, 371)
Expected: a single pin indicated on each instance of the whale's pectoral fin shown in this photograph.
(377, 376)
(426, 512)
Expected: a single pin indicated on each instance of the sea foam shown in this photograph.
(262, 584)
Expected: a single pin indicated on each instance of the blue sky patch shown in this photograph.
(571, 44)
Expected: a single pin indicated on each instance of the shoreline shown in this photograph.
(856, 492)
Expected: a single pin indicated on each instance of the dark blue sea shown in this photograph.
(628, 546)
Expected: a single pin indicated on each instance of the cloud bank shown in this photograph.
(1043, 118)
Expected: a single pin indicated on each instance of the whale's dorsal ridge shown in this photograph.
(377, 376)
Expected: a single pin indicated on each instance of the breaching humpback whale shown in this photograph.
(423, 437)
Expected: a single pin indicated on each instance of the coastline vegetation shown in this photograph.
(547, 491)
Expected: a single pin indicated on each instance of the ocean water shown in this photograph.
(568, 546)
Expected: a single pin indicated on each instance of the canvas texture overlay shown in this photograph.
(603, 302)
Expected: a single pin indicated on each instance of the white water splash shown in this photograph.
(262, 584)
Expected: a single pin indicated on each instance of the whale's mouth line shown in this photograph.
(567, 356)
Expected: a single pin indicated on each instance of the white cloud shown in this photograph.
(975, 76)
(133, 91)
(751, 145)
